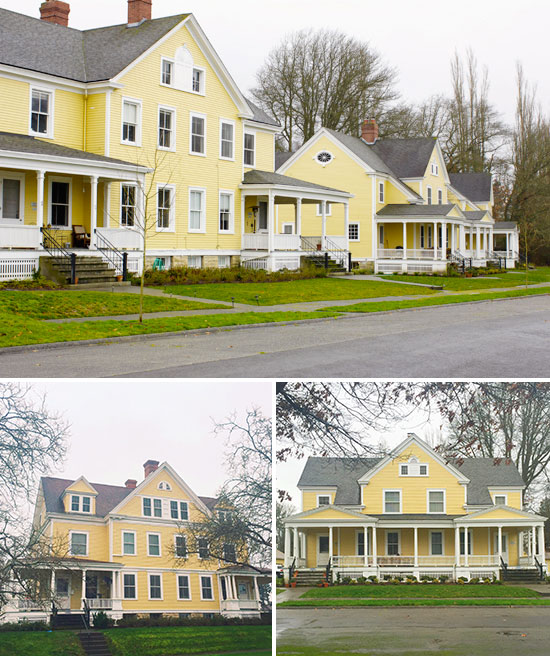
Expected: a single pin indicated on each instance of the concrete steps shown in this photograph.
(94, 644)
(526, 575)
(309, 578)
(67, 621)
(91, 270)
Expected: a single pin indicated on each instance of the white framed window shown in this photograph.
(227, 212)
(392, 501)
(197, 209)
(12, 197)
(194, 261)
(413, 468)
(179, 510)
(429, 195)
(227, 139)
(131, 122)
(41, 112)
(153, 544)
(155, 586)
(225, 515)
(381, 188)
(198, 81)
(128, 195)
(129, 586)
(184, 588)
(440, 196)
(229, 553)
(207, 589)
(78, 541)
(152, 507)
(167, 72)
(180, 546)
(353, 231)
(60, 202)
(166, 205)
(360, 542)
(393, 543)
(75, 503)
(437, 543)
(436, 501)
(249, 149)
(422, 236)
(288, 228)
(323, 500)
(164, 485)
(430, 237)
(197, 134)
(202, 544)
(224, 261)
(500, 500)
(435, 168)
(86, 504)
(328, 211)
(167, 128)
(129, 543)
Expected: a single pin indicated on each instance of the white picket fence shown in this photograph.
(18, 269)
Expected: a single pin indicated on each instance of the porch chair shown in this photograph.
(81, 239)
(158, 264)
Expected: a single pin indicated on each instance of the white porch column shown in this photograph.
(466, 544)
(542, 550)
(478, 244)
(295, 544)
(52, 583)
(243, 199)
(83, 584)
(434, 239)
(416, 546)
(404, 240)
(287, 546)
(324, 225)
(40, 198)
(507, 243)
(462, 238)
(346, 224)
(499, 545)
(256, 588)
(304, 546)
(366, 538)
(444, 241)
(330, 542)
(271, 223)
(457, 545)
(93, 209)
(299, 216)
(453, 237)
(533, 544)
(471, 241)
(374, 547)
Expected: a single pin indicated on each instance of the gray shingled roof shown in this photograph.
(399, 209)
(475, 215)
(22, 143)
(260, 116)
(419, 516)
(108, 496)
(505, 225)
(364, 152)
(267, 177)
(344, 473)
(408, 158)
(84, 56)
(281, 158)
(475, 186)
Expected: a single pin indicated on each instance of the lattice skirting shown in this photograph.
(18, 268)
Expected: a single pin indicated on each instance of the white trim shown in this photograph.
(139, 121)
(398, 512)
(328, 211)
(48, 217)
(193, 115)
(135, 205)
(202, 228)
(500, 494)
(318, 161)
(227, 121)
(172, 210)
(173, 112)
(159, 555)
(208, 576)
(122, 532)
(79, 532)
(430, 512)
(135, 575)
(329, 496)
(292, 230)
(429, 195)
(442, 531)
(50, 133)
(186, 574)
(171, 61)
(361, 532)
(381, 192)
(202, 80)
(387, 531)
(108, 94)
(149, 575)
(231, 194)
(80, 496)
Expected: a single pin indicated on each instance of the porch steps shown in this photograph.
(94, 644)
(524, 575)
(67, 621)
(319, 262)
(89, 270)
(309, 577)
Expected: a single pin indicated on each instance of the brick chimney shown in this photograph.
(131, 484)
(150, 466)
(369, 130)
(55, 11)
(139, 10)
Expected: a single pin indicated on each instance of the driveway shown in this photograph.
(415, 631)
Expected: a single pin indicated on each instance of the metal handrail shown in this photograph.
(119, 259)
(327, 571)
(58, 253)
(541, 570)
(86, 616)
(309, 244)
(291, 570)
(504, 565)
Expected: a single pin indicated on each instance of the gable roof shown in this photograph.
(363, 151)
(84, 56)
(408, 158)
(260, 116)
(400, 209)
(280, 158)
(484, 473)
(267, 177)
(475, 215)
(475, 186)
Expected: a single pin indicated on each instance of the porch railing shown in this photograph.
(255, 263)
(99, 604)
(59, 253)
(409, 561)
(409, 253)
(19, 236)
(110, 253)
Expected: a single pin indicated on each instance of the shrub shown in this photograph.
(217, 620)
(474, 580)
(425, 578)
(373, 579)
(24, 626)
(102, 621)
(361, 580)
(444, 578)
(346, 580)
(37, 282)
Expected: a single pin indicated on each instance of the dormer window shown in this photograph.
(81, 503)
(413, 468)
(499, 499)
(225, 515)
(323, 500)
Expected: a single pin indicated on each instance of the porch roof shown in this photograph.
(475, 215)
(267, 178)
(402, 210)
(407, 517)
(505, 225)
(475, 186)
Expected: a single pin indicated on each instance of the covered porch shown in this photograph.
(264, 247)
(506, 242)
(240, 590)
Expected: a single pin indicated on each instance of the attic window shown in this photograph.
(413, 468)
(435, 169)
(324, 157)
(81, 504)
(163, 485)
(323, 500)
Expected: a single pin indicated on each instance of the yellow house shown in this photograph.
(413, 513)
(407, 213)
(112, 135)
(127, 550)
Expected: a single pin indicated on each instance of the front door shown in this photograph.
(504, 546)
(322, 550)
(243, 590)
(262, 216)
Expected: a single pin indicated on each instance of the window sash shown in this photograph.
(181, 546)
(75, 504)
(174, 509)
(436, 502)
(437, 543)
(206, 587)
(353, 231)
(361, 543)
(60, 192)
(153, 544)
(184, 510)
(225, 212)
(202, 544)
(381, 192)
(86, 504)
(40, 112)
(157, 508)
(11, 198)
(129, 544)
(197, 80)
(392, 543)
(128, 205)
(227, 139)
(392, 502)
(167, 72)
(197, 134)
(229, 553)
(323, 500)
(462, 552)
(147, 507)
(165, 128)
(249, 149)
(130, 586)
(155, 586)
(164, 207)
(195, 209)
(79, 544)
(184, 591)
(130, 122)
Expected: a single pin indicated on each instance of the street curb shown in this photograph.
(369, 607)
(216, 329)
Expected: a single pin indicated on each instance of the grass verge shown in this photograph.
(430, 590)
(384, 306)
(296, 291)
(40, 643)
(335, 603)
(177, 640)
(455, 283)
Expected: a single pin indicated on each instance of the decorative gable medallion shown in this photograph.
(324, 157)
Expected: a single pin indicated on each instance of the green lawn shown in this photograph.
(496, 601)
(40, 643)
(431, 590)
(67, 304)
(178, 640)
(296, 291)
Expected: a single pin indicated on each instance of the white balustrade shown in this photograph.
(122, 238)
(20, 236)
(100, 604)
(286, 242)
(255, 241)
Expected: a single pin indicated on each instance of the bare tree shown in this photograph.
(323, 78)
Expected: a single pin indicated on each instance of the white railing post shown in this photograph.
(271, 222)
(416, 546)
(324, 225)
(295, 543)
(287, 546)
(374, 547)
(40, 198)
(404, 240)
(243, 200)
(299, 216)
(499, 545)
(466, 545)
(93, 210)
(346, 224)
(444, 241)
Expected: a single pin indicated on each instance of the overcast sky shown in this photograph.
(417, 37)
(117, 426)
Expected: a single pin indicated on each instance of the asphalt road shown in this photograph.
(508, 338)
(415, 631)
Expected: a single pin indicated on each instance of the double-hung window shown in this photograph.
(128, 205)
(184, 589)
(153, 544)
(179, 510)
(41, 113)
(328, 209)
(440, 196)
(202, 544)
(81, 504)
(11, 205)
(207, 591)
(131, 117)
(147, 510)
(155, 586)
(436, 543)
(167, 124)
(380, 192)
(249, 149)
(392, 543)
(198, 80)
(429, 195)
(60, 203)
(353, 231)
(462, 541)
(157, 508)
(360, 543)
(75, 503)
(180, 546)
(323, 500)
(129, 543)
(436, 501)
(226, 211)
(167, 72)
(499, 500)
(392, 501)
(198, 135)
(165, 207)
(86, 504)
(227, 140)
(79, 544)
(229, 553)
(130, 588)
(197, 200)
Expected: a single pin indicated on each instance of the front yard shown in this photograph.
(40, 643)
